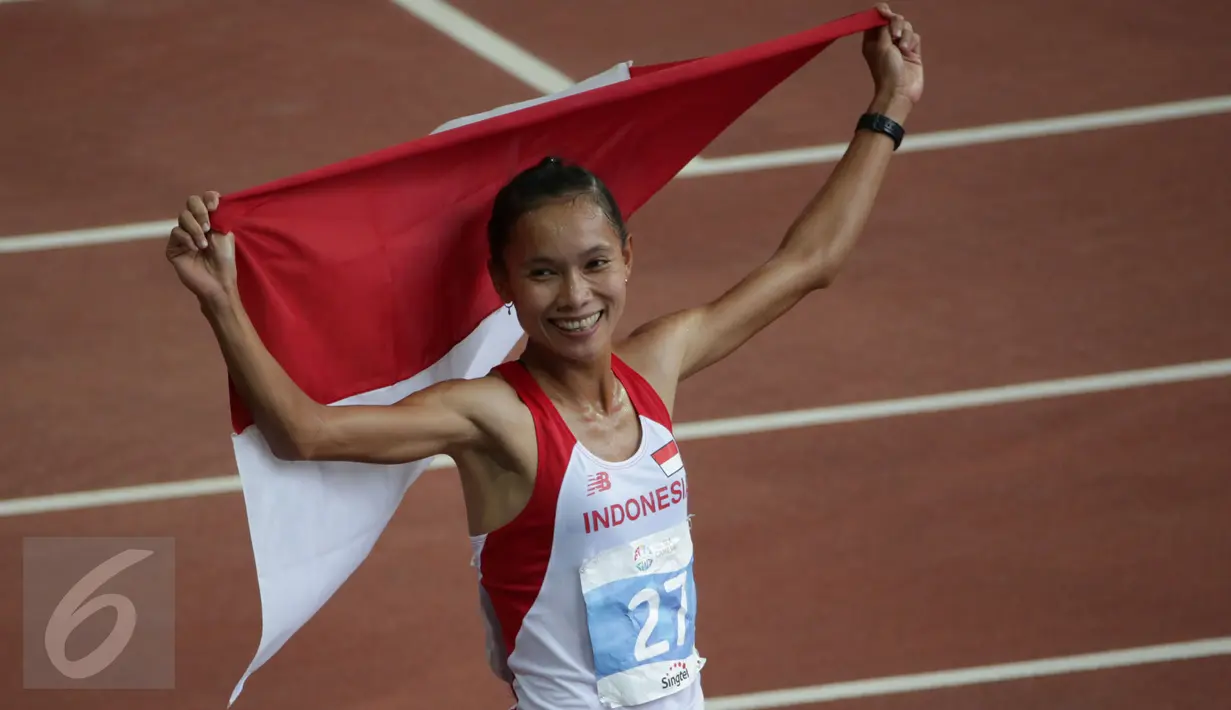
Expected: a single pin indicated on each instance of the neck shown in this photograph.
(586, 385)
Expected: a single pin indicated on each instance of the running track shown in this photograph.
(870, 547)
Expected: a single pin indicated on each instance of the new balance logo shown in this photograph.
(599, 482)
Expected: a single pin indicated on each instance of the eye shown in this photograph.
(598, 263)
(540, 273)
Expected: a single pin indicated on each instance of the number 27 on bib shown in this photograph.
(641, 610)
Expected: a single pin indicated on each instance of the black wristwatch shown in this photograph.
(880, 123)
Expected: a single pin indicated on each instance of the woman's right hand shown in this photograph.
(203, 260)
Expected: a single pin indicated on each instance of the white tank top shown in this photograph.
(588, 594)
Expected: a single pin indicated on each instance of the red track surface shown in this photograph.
(862, 550)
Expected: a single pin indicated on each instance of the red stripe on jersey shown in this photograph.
(514, 558)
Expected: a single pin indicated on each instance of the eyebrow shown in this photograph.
(594, 250)
(588, 253)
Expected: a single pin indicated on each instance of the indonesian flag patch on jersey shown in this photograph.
(669, 459)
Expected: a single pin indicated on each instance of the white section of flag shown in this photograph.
(619, 72)
(313, 523)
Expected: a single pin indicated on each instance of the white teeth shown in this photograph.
(581, 324)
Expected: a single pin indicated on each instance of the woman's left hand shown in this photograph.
(894, 55)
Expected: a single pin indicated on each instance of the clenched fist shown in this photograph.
(894, 56)
(203, 260)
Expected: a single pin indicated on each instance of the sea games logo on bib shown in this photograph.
(677, 674)
(642, 558)
(643, 554)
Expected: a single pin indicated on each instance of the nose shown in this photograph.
(576, 291)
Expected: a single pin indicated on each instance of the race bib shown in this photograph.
(641, 608)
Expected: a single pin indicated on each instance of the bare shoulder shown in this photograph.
(470, 390)
(503, 410)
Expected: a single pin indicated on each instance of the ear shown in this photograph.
(500, 281)
(627, 251)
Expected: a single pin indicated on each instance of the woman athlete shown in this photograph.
(575, 491)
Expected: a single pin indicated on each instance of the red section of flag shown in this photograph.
(664, 454)
(361, 274)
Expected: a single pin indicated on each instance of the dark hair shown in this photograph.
(551, 179)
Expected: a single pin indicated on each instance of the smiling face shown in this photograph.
(566, 271)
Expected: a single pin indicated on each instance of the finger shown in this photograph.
(197, 206)
(908, 36)
(916, 48)
(212, 199)
(182, 241)
(188, 222)
(895, 20)
(223, 245)
(900, 28)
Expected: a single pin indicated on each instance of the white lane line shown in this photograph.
(121, 495)
(1205, 648)
(489, 45)
(962, 137)
(965, 399)
(743, 163)
(495, 48)
(714, 428)
(85, 237)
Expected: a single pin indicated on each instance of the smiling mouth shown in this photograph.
(574, 326)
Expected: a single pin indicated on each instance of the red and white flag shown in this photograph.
(367, 280)
(669, 460)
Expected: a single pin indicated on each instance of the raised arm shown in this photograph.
(817, 243)
(437, 420)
